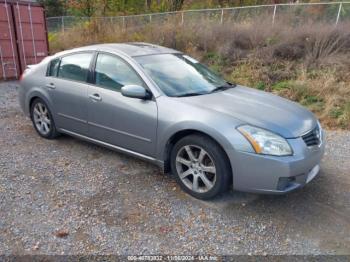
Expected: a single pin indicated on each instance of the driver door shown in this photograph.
(125, 122)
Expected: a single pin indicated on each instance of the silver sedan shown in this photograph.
(163, 106)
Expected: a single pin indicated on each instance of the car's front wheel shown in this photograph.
(42, 119)
(200, 166)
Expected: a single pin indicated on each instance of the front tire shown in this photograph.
(200, 166)
(42, 119)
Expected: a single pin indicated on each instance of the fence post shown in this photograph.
(222, 16)
(338, 15)
(274, 14)
(124, 25)
(62, 24)
(150, 18)
(182, 18)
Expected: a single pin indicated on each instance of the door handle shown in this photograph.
(95, 97)
(51, 86)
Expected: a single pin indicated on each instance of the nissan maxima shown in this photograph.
(164, 106)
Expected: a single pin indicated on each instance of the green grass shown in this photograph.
(260, 86)
(281, 85)
(335, 112)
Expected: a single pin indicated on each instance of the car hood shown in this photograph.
(260, 109)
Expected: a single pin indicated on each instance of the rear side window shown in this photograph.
(53, 68)
(75, 67)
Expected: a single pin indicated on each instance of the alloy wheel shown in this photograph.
(196, 168)
(41, 118)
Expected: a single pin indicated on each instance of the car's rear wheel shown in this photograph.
(200, 166)
(42, 119)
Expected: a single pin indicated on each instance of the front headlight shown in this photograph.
(265, 142)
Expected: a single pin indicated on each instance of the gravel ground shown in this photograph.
(71, 197)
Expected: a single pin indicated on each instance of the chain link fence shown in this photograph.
(293, 14)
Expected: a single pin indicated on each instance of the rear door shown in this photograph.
(122, 121)
(67, 85)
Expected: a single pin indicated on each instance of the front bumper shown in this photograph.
(276, 175)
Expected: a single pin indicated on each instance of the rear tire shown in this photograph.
(42, 119)
(200, 166)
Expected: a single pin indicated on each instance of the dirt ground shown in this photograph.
(66, 196)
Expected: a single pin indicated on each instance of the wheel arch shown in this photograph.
(181, 134)
(34, 95)
(31, 100)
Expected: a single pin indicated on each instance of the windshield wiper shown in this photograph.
(223, 87)
(190, 94)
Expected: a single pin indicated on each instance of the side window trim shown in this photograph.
(92, 76)
(48, 70)
(93, 73)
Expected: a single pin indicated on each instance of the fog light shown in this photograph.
(284, 182)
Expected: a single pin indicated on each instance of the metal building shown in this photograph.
(23, 36)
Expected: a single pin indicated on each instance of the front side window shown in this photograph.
(113, 73)
(53, 68)
(75, 67)
(181, 75)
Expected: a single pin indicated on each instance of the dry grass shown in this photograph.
(308, 64)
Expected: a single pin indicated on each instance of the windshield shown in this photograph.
(181, 75)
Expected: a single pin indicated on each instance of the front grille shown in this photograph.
(313, 138)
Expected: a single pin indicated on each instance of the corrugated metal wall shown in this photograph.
(23, 37)
(9, 63)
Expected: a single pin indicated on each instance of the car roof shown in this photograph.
(131, 49)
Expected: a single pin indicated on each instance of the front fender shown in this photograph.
(222, 136)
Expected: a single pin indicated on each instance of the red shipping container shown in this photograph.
(23, 37)
(9, 63)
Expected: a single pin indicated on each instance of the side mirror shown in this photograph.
(135, 91)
